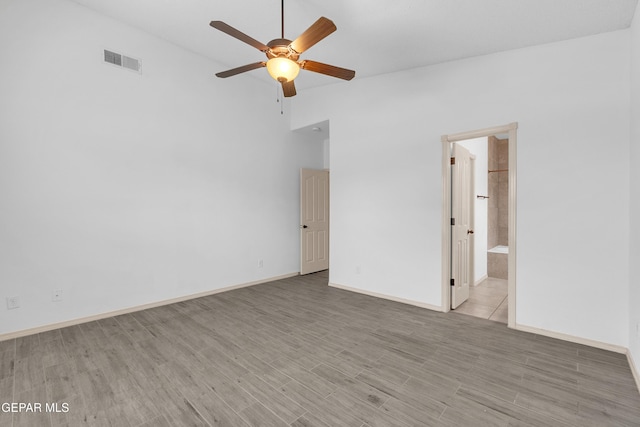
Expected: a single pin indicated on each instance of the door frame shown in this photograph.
(446, 140)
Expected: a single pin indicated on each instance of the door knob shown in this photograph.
(304, 226)
(469, 231)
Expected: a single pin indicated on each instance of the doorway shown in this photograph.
(452, 233)
(314, 220)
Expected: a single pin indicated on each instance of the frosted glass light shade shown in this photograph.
(281, 68)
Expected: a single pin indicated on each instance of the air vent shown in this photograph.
(122, 60)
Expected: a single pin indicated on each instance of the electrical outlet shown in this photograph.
(13, 302)
(358, 270)
(57, 296)
(260, 264)
(638, 329)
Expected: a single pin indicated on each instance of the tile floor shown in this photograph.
(296, 352)
(488, 300)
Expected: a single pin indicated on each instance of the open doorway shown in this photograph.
(488, 227)
(314, 201)
(478, 253)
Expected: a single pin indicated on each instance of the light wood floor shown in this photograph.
(298, 353)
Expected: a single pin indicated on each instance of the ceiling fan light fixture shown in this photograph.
(283, 54)
(283, 69)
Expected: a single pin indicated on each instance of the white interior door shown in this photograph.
(462, 224)
(314, 217)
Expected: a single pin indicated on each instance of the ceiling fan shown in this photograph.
(283, 63)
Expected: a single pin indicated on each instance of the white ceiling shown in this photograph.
(373, 36)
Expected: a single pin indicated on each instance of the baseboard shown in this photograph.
(78, 321)
(480, 280)
(634, 369)
(574, 339)
(523, 328)
(590, 343)
(387, 297)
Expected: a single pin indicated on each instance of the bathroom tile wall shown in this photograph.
(492, 206)
(498, 207)
(503, 191)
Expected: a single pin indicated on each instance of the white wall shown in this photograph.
(634, 159)
(123, 189)
(571, 100)
(326, 150)
(480, 148)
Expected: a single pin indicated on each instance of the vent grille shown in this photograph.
(122, 60)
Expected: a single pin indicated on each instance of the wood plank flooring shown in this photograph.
(298, 353)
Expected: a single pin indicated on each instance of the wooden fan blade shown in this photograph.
(316, 32)
(226, 28)
(242, 69)
(329, 70)
(289, 89)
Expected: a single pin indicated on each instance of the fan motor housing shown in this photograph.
(280, 47)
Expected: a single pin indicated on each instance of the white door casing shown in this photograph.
(462, 188)
(314, 220)
(511, 129)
